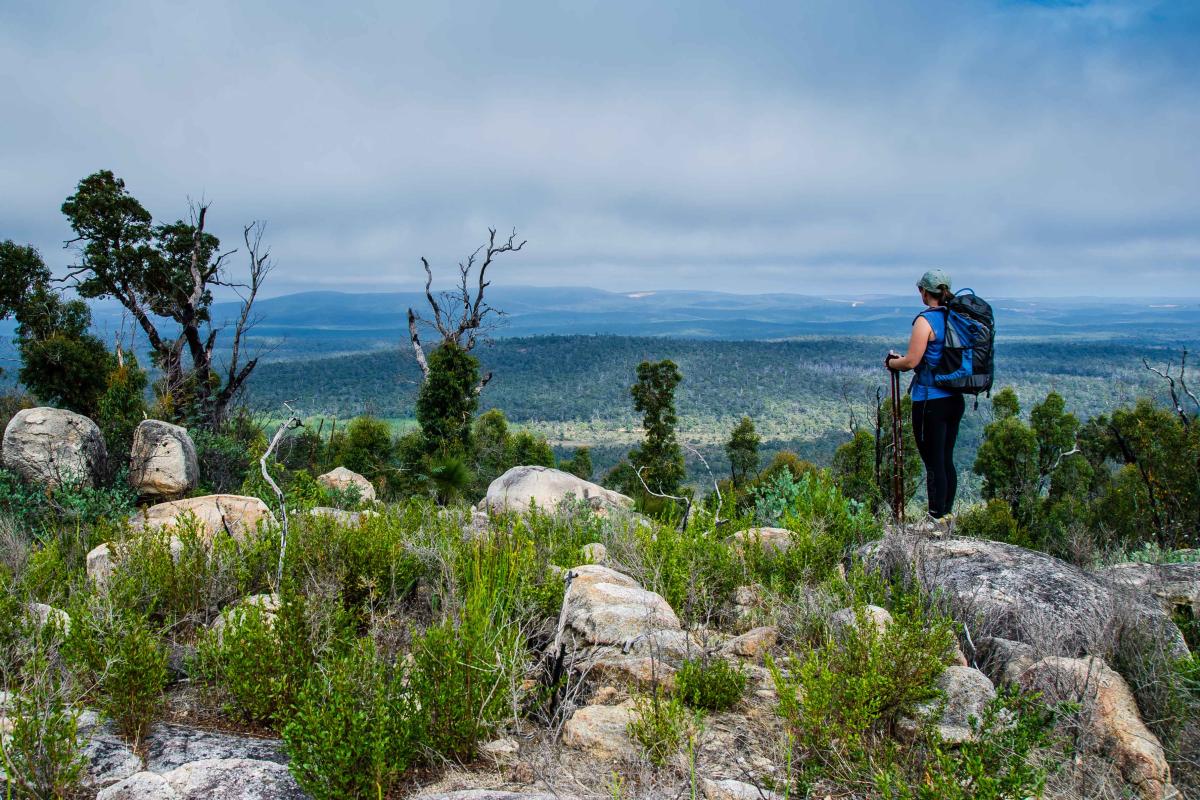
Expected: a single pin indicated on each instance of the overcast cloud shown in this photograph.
(813, 147)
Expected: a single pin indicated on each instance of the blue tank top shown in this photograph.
(933, 355)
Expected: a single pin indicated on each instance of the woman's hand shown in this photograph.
(887, 360)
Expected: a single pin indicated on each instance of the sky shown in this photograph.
(841, 147)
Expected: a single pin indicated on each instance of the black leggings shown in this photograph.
(935, 426)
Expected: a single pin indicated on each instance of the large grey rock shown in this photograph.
(1111, 715)
(1007, 591)
(234, 779)
(52, 446)
(162, 461)
(103, 558)
(1174, 587)
(341, 479)
(216, 515)
(171, 746)
(547, 488)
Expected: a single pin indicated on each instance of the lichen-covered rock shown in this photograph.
(846, 619)
(595, 553)
(234, 779)
(731, 789)
(1173, 587)
(216, 515)
(640, 671)
(615, 611)
(162, 460)
(1003, 590)
(967, 693)
(754, 643)
(342, 517)
(771, 540)
(140, 786)
(547, 488)
(54, 447)
(1112, 714)
(341, 479)
(44, 615)
(601, 731)
(1004, 660)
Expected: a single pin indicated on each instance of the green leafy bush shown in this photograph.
(713, 685)
(43, 753)
(243, 657)
(118, 655)
(660, 725)
(843, 696)
(994, 521)
(997, 763)
(353, 731)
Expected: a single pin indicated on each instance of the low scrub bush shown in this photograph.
(840, 699)
(661, 725)
(354, 729)
(43, 752)
(998, 763)
(120, 660)
(695, 570)
(712, 685)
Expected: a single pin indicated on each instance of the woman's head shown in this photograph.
(935, 287)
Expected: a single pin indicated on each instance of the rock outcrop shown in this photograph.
(1007, 591)
(54, 447)
(216, 514)
(233, 778)
(1174, 587)
(547, 488)
(162, 461)
(605, 607)
(102, 559)
(771, 540)
(1112, 716)
(341, 479)
(967, 693)
(602, 731)
(342, 517)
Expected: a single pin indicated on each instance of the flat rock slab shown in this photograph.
(172, 746)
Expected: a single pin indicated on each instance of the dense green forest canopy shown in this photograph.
(803, 394)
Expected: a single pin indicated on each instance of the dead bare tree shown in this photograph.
(292, 422)
(461, 315)
(1175, 385)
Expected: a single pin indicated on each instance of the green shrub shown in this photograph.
(695, 570)
(841, 698)
(713, 685)
(660, 725)
(994, 521)
(244, 659)
(997, 763)
(43, 754)
(353, 730)
(122, 660)
(465, 668)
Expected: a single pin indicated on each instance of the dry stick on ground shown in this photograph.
(292, 422)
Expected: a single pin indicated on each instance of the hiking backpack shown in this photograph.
(966, 365)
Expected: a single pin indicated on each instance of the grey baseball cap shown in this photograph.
(934, 278)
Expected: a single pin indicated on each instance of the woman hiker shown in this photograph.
(936, 412)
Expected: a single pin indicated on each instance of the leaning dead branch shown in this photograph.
(1177, 384)
(291, 423)
(687, 501)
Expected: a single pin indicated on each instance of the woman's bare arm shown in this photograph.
(922, 332)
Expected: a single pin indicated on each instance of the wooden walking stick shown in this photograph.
(897, 449)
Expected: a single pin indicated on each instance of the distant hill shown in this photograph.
(311, 324)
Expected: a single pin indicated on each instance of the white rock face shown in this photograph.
(546, 488)
(44, 615)
(731, 789)
(614, 609)
(53, 447)
(1116, 726)
(140, 786)
(217, 515)
(162, 461)
(234, 779)
(341, 479)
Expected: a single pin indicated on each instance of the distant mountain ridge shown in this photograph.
(321, 323)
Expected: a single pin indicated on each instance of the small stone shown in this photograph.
(595, 553)
(754, 643)
(601, 731)
(847, 619)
